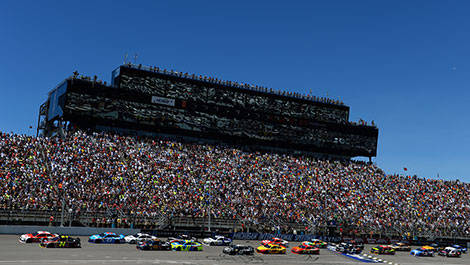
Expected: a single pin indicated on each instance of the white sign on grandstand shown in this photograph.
(163, 101)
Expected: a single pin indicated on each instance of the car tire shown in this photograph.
(132, 242)
(98, 241)
(28, 240)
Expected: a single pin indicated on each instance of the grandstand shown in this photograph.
(121, 155)
(147, 99)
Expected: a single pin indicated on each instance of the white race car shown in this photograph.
(133, 239)
(217, 241)
(276, 241)
(36, 237)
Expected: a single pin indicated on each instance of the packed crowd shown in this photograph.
(93, 172)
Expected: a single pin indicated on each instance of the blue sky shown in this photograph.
(403, 64)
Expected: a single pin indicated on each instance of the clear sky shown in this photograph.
(403, 64)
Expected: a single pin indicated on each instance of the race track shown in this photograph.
(13, 252)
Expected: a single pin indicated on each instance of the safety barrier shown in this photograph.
(75, 231)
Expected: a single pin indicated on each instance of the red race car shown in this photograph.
(305, 249)
(37, 237)
(276, 241)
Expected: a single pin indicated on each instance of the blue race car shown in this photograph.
(107, 237)
(423, 252)
(460, 248)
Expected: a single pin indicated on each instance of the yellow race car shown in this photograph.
(271, 249)
(429, 248)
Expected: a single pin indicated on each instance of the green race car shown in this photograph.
(186, 245)
(382, 249)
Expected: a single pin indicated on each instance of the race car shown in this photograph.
(303, 249)
(316, 243)
(429, 248)
(107, 237)
(276, 241)
(423, 252)
(450, 252)
(217, 241)
(61, 242)
(349, 248)
(460, 248)
(401, 246)
(186, 245)
(153, 244)
(182, 237)
(383, 249)
(36, 237)
(271, 249)
(132, 239)
(239, 250)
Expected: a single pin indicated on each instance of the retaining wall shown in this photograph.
(74, 231)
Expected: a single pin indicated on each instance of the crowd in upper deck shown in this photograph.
(93, 172)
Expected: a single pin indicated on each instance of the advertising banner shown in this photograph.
(163, 101)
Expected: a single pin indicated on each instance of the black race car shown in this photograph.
(239, 250)
(350, 248)
(61, 242)
(154, 244)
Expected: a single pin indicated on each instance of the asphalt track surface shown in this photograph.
(13, 252)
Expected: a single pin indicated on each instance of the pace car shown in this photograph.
(132, 239)
(217, 241)
(276, 241)
(107, 237)
(36, 237)
(186, 245)
(423, 252)
(450, 252)
(153, 244)
(271, 249)
(306, 249)
(239, 250)
(61, 242)
(383, 249)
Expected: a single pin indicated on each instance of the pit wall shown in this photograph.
(73, 231)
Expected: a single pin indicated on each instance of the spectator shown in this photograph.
(143, 177)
